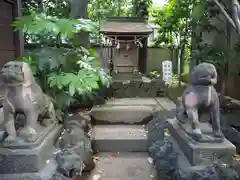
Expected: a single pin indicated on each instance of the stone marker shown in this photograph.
(29, 127)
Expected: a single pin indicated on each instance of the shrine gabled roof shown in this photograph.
(125, 26)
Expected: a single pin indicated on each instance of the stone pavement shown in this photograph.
(123, 166)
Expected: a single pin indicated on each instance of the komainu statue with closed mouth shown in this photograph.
(199, 97)
(24, 101)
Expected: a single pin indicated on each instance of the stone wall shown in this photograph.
(138, 88)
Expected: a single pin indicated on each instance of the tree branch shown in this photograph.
(229, 19)
(235, 14)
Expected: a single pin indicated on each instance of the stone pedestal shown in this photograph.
(200, 153)
(34, 161)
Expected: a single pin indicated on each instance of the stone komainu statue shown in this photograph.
(198, 97)
(23, 96)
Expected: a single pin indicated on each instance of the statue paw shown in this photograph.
(197, 134)
(29, 133)
(32, 138)
(197, 131)
(10, 139)
(182, 120)
(218, 134)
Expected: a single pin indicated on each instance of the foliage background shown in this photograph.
(182, 26)
(66, 72)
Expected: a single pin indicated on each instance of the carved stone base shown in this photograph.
(22, 143)
(201, 153)
(33, 161)
(45, 174)
(206, 136)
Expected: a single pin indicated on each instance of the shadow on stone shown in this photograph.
(233, 135)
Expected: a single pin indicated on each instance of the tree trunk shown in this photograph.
(119, 8)
(182, 59)
(79, 9)
(173, 58)
(227, 16)
(141, 11)
(181, 62)
(178, 52)
(226, 65)
(195, 52)
(40, 6)
(224, 84)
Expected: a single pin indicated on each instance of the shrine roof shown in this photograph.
(125, 26)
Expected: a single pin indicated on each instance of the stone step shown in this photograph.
(120, 138)
(125, 111)
(123, 166)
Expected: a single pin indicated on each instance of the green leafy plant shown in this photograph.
(154, 74)
(176, 21)
(222, 55)
(62, 69)
(59, 8)
(174, 80)
(51, 30)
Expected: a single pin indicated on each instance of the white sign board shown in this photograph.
(167, 70)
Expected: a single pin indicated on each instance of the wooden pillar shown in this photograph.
(18, 35)
(142, 56)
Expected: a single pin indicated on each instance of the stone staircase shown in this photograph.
(120, 138)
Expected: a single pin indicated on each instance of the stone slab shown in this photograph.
(200, 153)
(126, 76)
(140, 87)
(121, 138)
(45, 174)
(128, 114)
(168, 107)
(132, 102)
(125, 166)
(165, 103)
(29, 160)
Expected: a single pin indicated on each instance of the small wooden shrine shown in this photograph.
(122, 41)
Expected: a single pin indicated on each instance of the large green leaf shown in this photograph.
(43, 25)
